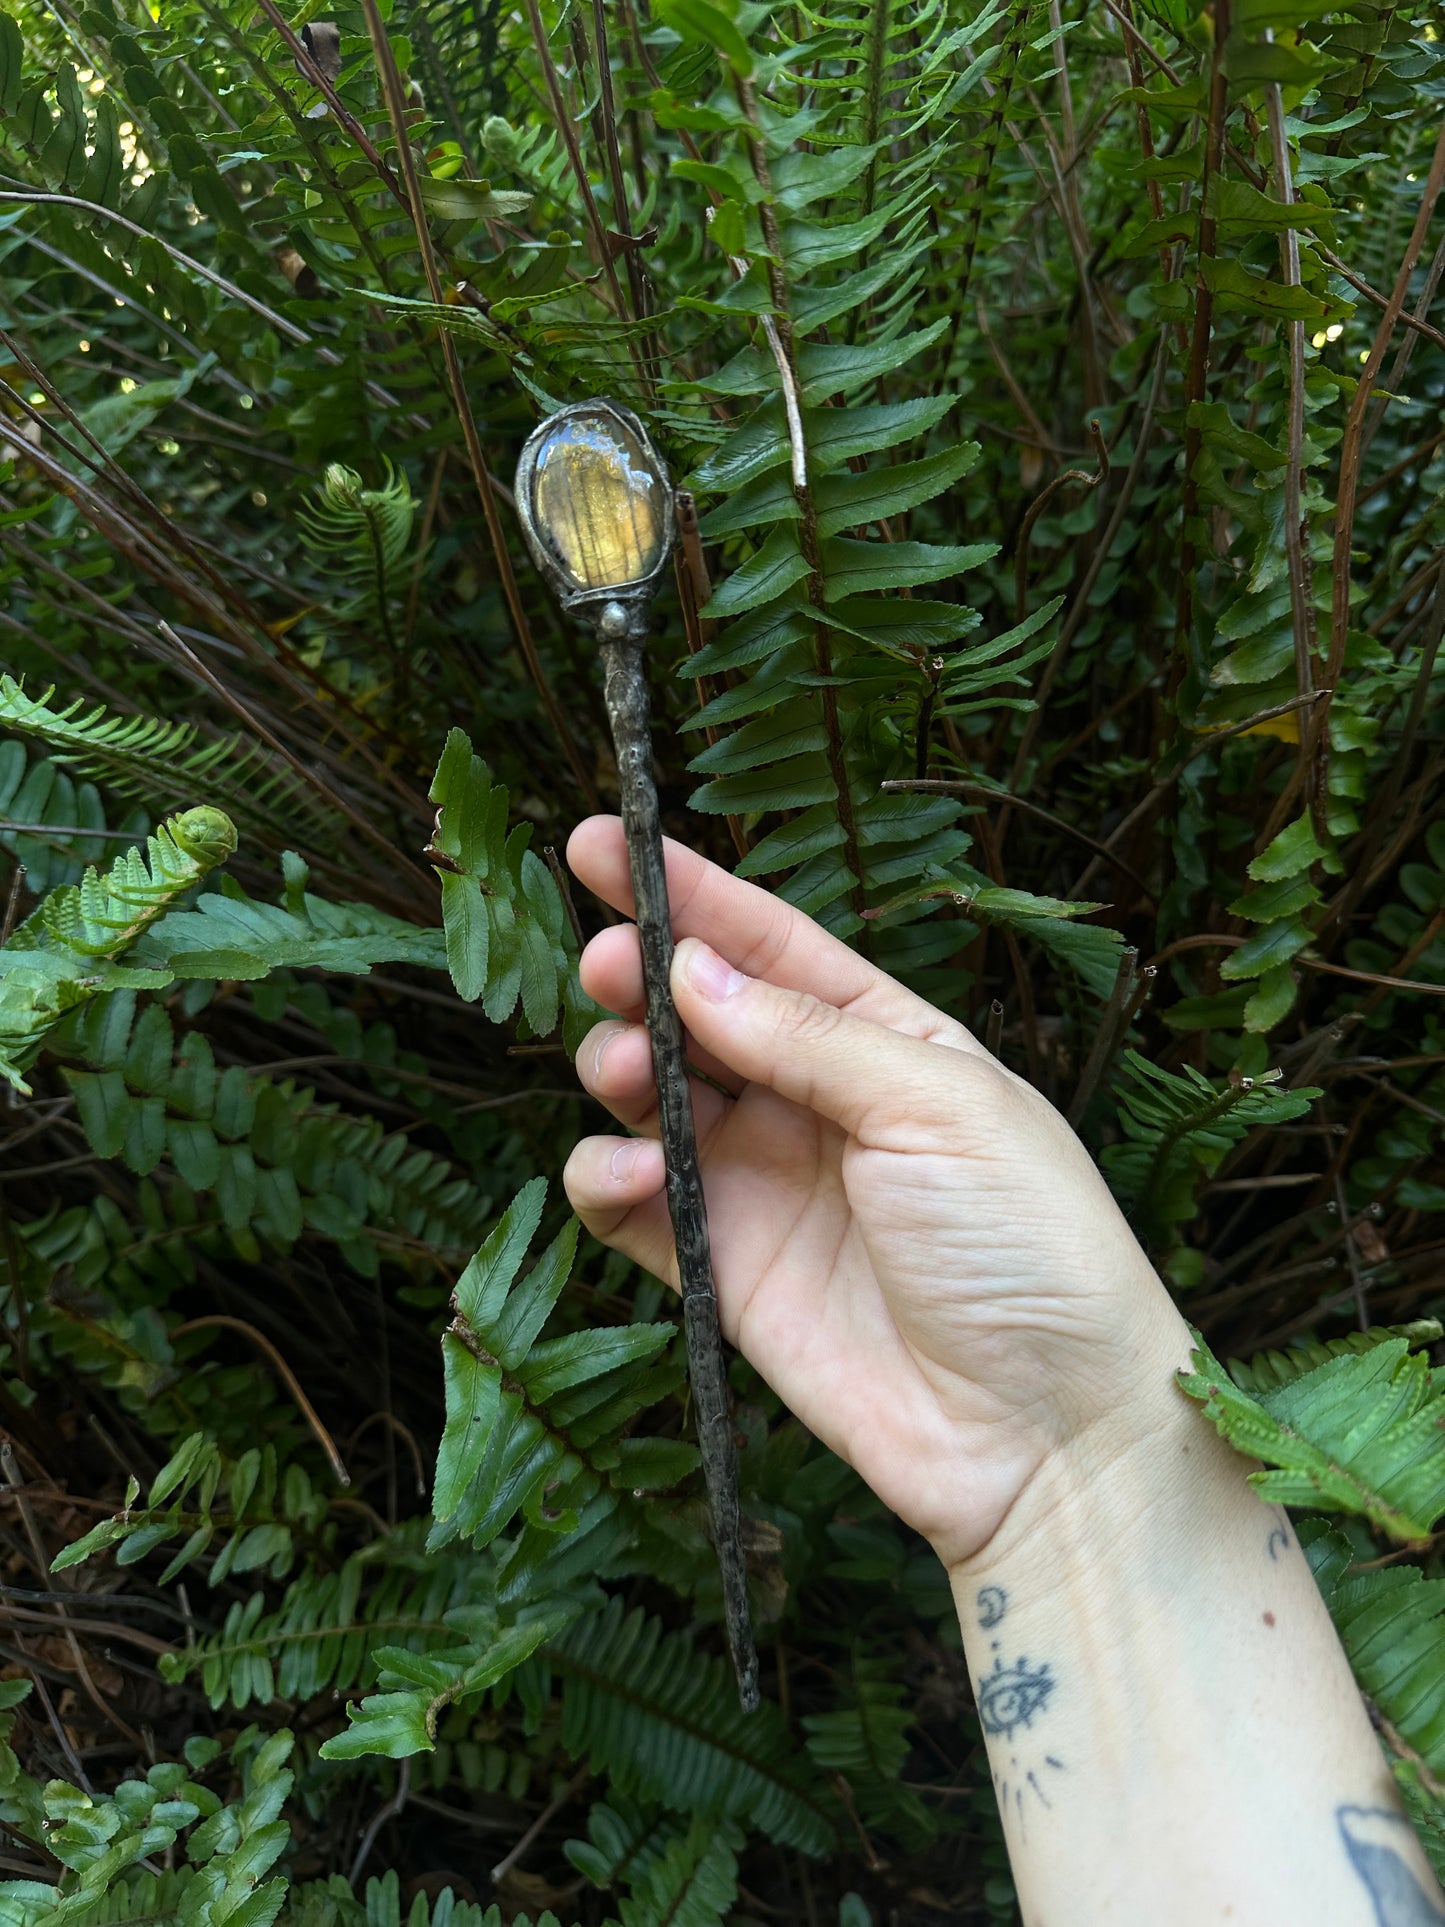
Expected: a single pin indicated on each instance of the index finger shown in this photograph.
(759, 933)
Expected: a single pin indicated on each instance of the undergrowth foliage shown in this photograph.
(1054, 394)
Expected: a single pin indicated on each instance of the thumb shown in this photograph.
(860, 1075)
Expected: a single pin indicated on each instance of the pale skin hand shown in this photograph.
(918, 1255)
(909, 1243)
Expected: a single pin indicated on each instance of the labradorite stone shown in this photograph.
(597, 502)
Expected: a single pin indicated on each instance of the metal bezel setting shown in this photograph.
(591, 605)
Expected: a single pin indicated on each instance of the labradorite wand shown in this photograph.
(596, 509)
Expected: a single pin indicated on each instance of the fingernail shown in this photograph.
(624, 1161)
(712, 976)
(601, 1047)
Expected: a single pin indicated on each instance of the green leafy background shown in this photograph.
(1056, 392)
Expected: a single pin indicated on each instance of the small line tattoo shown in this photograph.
(1278, 1541)
(1008, 1790)
(1373, 1838)
(992, 1605)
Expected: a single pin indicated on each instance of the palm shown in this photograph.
(891, 1284)
(837, 1286)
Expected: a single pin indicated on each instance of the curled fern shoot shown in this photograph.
(361, 536)
(72, 944)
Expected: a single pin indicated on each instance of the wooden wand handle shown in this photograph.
(627, 707)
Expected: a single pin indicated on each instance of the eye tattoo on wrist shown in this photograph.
(1010, 1697)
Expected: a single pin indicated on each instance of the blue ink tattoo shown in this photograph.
(1373, 1838)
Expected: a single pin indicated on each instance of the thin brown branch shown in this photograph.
(1148, 803)
(1350, 450)
(412, 201)
(563, 118)
(1296, 544)
(1373, 295)
(308, 1411)
(968, 785)
(1200, 338)
(1041, 502)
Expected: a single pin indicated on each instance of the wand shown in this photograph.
(595, 504)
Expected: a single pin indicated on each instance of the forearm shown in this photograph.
(1173, 1729)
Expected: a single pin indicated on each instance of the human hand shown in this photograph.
(909, 1243)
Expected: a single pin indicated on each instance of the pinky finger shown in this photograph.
(616, 1185)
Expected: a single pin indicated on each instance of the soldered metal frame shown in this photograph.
(616, 611)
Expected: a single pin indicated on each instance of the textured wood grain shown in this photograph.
(627, 707)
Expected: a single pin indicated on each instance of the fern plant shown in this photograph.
(1056, 616)
(158, 759)
(361, 536)
(71, 946)
(1359, 1432)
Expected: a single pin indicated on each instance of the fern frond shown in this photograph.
(1178, 1127)
(102, 1843)
(1392, 1623)
(231, 935)
(258, 1519)
(42, 794)
(277, 1165)
(1361, 1433)
(322, 1635)
(1267, 1371)
(692, 1882)
(664, 1723)
(148, 758)
(620, 1834)
(70, 947)
(332, 1903)
(526, 1415)
(361, 536)
(867, 1741)
(103, 915)
(508, 938)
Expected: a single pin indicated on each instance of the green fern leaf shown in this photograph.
(1267, 1371)
(415, 1689)
(620, 1832)
(362, 535)
(67, 950)
(640, 1705)
(507, 935)
(1177, 1130)
(1361, 1433)
(525, 1413)
(692, 1882)
(1392, 1624)
(148, 758)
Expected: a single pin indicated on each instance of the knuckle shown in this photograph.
(803, 1019)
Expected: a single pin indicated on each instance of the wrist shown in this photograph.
(1129, 1482)
(1156, 1673)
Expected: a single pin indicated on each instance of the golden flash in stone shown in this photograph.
(597, 502)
